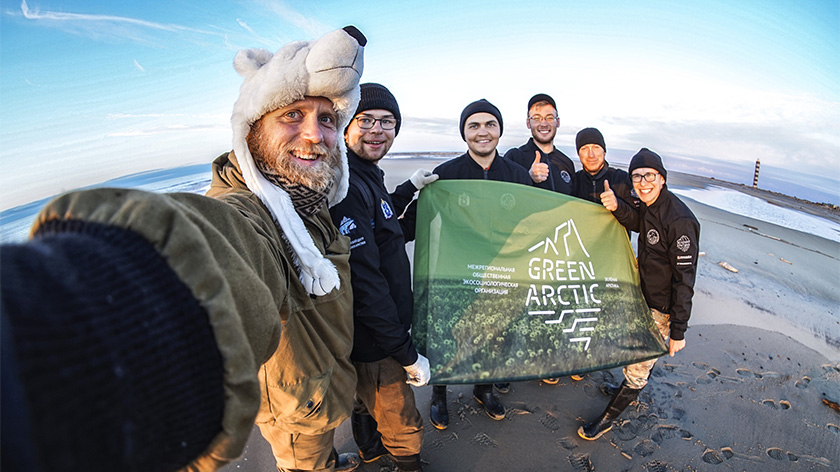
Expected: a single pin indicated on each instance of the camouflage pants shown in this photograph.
(636, 375)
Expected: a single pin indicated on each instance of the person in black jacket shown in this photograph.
(481, 127)
(597, 176)
(548, 167)
(385, 419)
(668, 248)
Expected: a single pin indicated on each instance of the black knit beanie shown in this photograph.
(647, 158)
(590, 136)
(480, 106)
(377, 97)
(541, 97)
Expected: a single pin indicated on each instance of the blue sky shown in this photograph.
(91, 90)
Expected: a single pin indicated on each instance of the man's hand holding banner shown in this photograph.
(514, 282)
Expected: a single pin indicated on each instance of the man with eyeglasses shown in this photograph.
(548, 167)
(385, 419)
(669, 235)
(597, 177)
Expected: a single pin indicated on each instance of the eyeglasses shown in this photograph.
(366, 122)
(650, 177)
(547, 119)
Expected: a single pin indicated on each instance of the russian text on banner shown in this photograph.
(514, 282)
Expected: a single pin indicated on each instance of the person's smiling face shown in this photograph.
(370, 144)
(299, 142)
(648, 192)
(543, 122)
(482, 132)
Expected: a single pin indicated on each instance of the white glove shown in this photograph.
(421, 178)
(418, 373)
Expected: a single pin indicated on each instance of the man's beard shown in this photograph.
(274, 161)
(543, 140)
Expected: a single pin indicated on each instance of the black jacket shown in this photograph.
(590, 187)
(669, 237)
(464, 167)
(383, 303)
(561, 169)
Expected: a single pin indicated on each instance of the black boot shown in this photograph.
(484, 394)
(438, 414)
(367, 437)
(610, 389)
(408, 463)
(346, 462)
(594, 430)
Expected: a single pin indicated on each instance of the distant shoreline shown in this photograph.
(821, 209)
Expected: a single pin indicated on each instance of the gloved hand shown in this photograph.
(418, 373)
(421, 178)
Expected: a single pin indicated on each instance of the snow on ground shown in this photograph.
(759, 209)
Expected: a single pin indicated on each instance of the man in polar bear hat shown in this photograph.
(147, 331)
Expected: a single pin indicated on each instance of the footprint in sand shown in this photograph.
(711, 374)
(833, 428)
(742, 372)
(581, 462)
(657, 466)
(669, 431)
(645, 447)
(803, 383)
(710, 456)
(700, 365)
(627, 430)
(442, 441)
(783, 404)
(776, 453)
(485, 440)
(549, 422)
(568, 443)
(830, 368)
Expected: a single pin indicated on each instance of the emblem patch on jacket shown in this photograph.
(347, 225)
(386, 209)
(683, 243)
(565, 176)
(652, 237)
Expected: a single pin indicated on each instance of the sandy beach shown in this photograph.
(756, 388)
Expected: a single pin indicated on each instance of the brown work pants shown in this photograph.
(382, 392)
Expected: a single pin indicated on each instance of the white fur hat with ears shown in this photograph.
(329, 67)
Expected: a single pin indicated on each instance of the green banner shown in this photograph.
(514, 282)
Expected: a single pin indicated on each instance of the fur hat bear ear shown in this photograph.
(249, 61)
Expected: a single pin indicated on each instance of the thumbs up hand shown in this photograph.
(538, 170)
(608, 197)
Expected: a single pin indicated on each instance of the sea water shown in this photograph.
(15, 222)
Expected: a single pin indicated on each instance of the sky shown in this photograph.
(92, 90)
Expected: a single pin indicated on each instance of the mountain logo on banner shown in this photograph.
(553, 270)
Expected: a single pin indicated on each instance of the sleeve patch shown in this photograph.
(346, 226)
(684, 243)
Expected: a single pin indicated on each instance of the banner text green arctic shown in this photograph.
(514, 282)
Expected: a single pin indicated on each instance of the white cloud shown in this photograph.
(306, 22)
(139, 67)
(103, 25)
